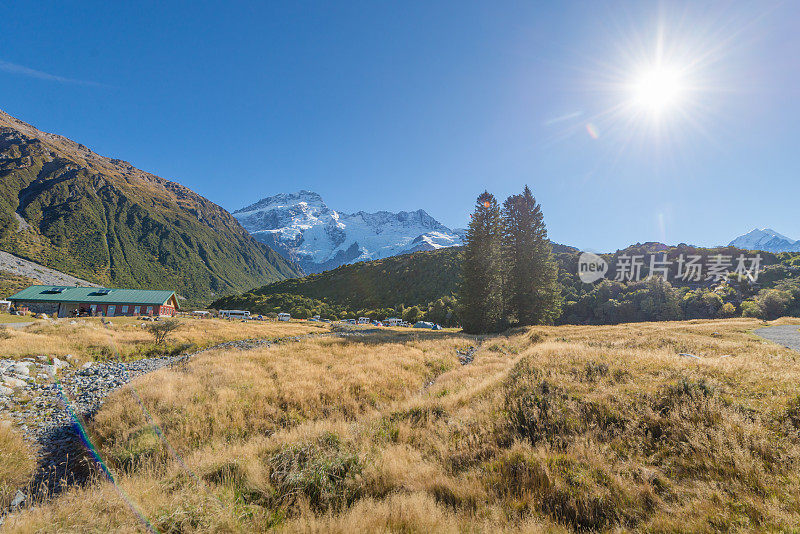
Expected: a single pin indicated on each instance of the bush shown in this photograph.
(774, 303)
(727, 310)
(160, 330)
(751, 308)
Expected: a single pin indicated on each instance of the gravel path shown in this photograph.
(786, 335)
(15, 325)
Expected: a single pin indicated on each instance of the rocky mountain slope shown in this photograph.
(304, 229)
(101, 219)
(768, 240)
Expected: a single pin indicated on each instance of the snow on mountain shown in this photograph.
(768, 240)
(302, 228)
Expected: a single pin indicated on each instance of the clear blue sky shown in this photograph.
(408, 105)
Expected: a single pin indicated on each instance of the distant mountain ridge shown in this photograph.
(304, 229)
(767, 240)
(103, 220)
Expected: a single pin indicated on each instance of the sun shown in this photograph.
(658, 89)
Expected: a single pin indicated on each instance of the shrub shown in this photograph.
(727, 310)
(160, 330)
(774, 303)
(751, 308)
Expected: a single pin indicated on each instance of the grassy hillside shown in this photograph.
(410, 279)
(103, 220)
(549, 429)
(12, 283)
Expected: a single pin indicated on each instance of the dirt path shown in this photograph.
(786, 335)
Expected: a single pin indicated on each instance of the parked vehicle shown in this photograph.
(284, 316)
(234, 314)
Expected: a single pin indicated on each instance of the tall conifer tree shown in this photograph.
(480, 297)
(531, 293)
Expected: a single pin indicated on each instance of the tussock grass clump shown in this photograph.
(537, 409)
(323, 472)
(5, 332)
(17, 464)
(572, 491)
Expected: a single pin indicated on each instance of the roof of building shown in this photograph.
(99, 295)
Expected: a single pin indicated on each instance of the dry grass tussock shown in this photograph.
(17, 463)
(126, 338)
(550, 429)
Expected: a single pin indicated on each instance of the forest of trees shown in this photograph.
(508, 275)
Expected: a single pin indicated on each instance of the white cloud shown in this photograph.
(13, 68)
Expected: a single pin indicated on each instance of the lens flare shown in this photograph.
(658, 89)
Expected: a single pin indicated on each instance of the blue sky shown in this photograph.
(408, 105)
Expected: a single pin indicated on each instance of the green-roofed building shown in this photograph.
(66, 301)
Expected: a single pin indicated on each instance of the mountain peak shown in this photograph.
(285, 200)
(766, 239)
(302, 227)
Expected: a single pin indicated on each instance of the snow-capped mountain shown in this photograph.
(302, 228)
(768, 240)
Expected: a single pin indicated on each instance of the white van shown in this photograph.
(363, 320)
(284, 316)
(234, 314)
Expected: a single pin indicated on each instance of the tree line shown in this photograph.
(508, 274)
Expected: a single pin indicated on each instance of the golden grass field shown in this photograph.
(125, 338)
(550, 429)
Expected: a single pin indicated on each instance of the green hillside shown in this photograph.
(374, 288)
(423, 285)
(103, 220)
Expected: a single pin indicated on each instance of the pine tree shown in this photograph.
(480, 296)
(531, 292)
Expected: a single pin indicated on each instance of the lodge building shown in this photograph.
(66, 301)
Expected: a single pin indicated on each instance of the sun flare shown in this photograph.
(658, 89)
